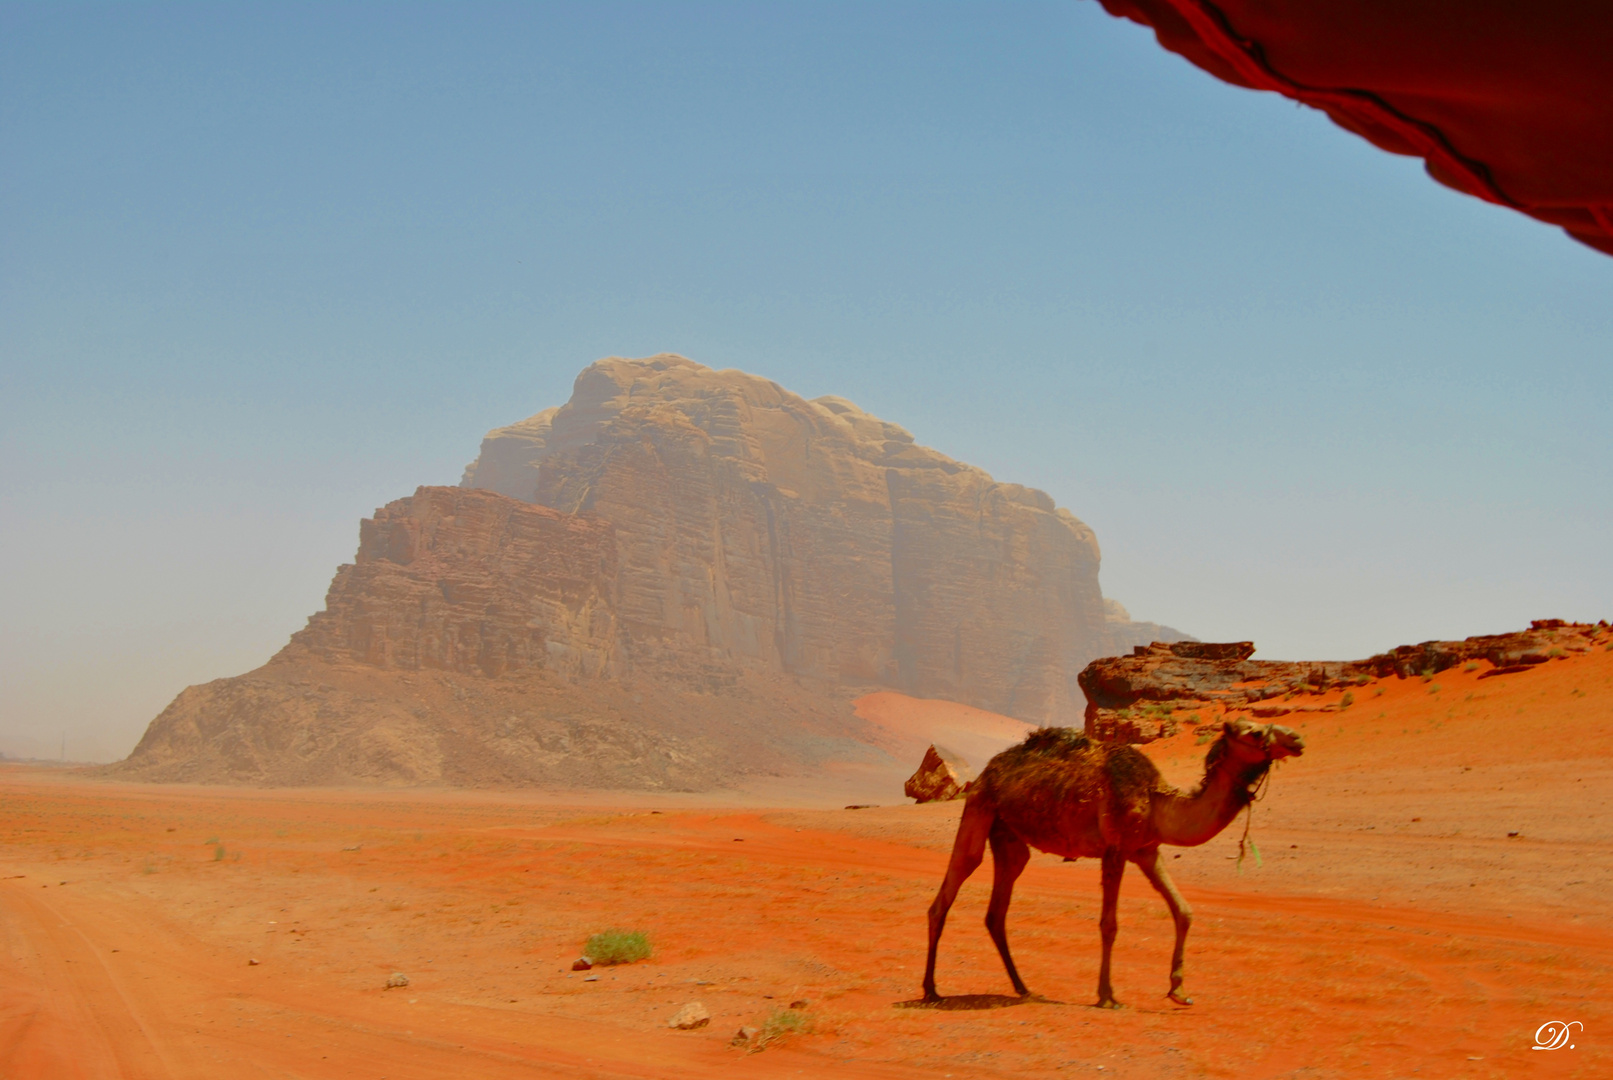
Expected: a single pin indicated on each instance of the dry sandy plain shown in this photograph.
(1394, 928)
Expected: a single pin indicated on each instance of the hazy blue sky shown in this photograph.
(265, 268)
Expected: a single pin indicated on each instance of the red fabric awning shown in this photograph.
(1507, 101)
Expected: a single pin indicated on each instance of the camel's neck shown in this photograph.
(1190, 820)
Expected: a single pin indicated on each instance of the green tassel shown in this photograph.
(1256, 850)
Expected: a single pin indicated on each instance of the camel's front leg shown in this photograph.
(1148, 862)
(1114, 865)
(968, 849)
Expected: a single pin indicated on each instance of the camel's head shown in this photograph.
(1270, 742)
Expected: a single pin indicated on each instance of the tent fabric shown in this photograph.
(1506, 101)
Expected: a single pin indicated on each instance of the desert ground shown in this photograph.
(1394, 926)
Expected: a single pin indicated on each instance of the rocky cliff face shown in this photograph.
(810, 538)
(721, 562)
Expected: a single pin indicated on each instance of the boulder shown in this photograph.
(941, 776)
(691, 1016)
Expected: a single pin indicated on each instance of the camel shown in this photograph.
(1069, 795)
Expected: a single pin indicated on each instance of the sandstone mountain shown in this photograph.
(679, 578)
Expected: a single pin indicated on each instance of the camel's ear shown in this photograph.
(1244, 730)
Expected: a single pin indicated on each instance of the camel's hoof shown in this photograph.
(1180, 999)
(930, 997)
(1111, 1003)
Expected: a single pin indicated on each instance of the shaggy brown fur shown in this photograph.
(1064, 793)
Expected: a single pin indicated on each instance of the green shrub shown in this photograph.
(218, 853)
(618, 946)
(1347, 700)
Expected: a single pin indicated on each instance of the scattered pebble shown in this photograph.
(745, 1035)
(590, 978)
(799, 1003)
(249, 963)
(582, 963)
(396, 980)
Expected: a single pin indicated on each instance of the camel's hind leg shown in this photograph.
(1009, 854)
(1114, 865)
(968, 848)
(1148, 862)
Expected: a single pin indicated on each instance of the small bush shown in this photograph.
(218, 853)
(618, 947)
(1434, 689)
(1347, 700)
(1471, 665)
(781, 1023)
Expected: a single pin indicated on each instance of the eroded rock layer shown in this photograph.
(1144, 696)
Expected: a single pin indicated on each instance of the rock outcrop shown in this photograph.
(680, 577)
(1144, 696)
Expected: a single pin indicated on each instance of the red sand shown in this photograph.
(1394, 930)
